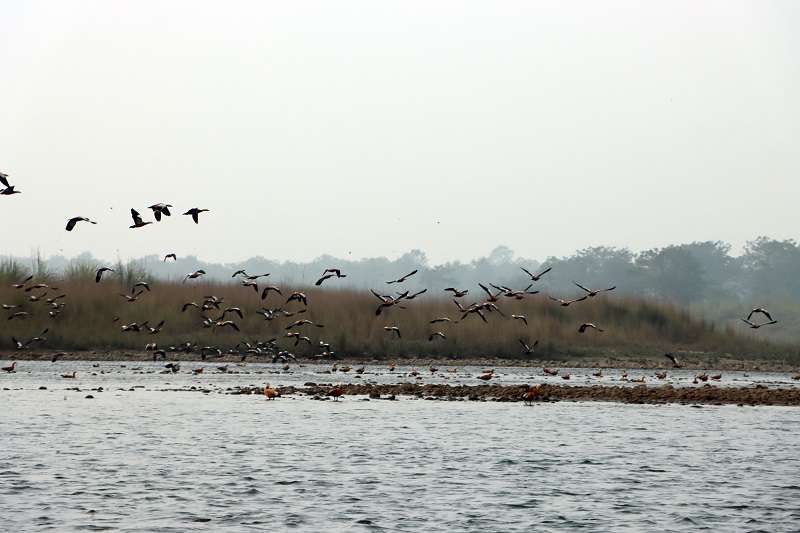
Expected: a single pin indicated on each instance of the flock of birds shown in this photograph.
(214, 314)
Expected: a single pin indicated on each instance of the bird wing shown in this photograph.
(545, 271)
(4, 179)
(71, 224)
(581, 286)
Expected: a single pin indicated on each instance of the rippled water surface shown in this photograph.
(156, 460)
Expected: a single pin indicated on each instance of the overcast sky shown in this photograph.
(363, 128)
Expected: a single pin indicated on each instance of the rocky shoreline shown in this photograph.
(703, 395)
(689, 360)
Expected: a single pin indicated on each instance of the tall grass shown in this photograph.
(632, 326)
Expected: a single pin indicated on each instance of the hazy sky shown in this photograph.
(373, 127)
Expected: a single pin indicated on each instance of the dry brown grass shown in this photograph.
(632, 326)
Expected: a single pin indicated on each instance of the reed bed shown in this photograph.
(94, 314)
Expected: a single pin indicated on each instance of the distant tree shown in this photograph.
(771, 268)
(672, 273)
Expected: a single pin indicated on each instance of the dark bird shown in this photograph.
(674, 360)
(298, 297)
(457, 293)
(588, 325)
(154, 330)
(39, 338)
(536, 277)
(250, 283)
(592, 293)
(520, 317)
(336, 392)
(11, 368)
(436, 334)
(304, 322)
(19, 314)
(387, 301)
(99, 274)
(195, 213)
(235, 310)
(414, 295)
(335, 271)
(759, 310)
(74, 220)
(328, 274)
(137, 220)
(567, 303)
(401, 280)
(170, 256)
(491, 297)
(7, 189)
(194, 275)
(160, 209)
(21, 285)
(393, 329)
(132, 297)
(226, 323)
(265, 292)
(142, 284)
(754, 325)
(528, 349)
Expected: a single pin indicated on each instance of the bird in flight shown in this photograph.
(74, 220)
(160, 209)
(7, 189)
(567, 303)
(99, 274)
(393, 329)
(528, 350)
(536, 277)
(520, 317)
(754, 325)
(412, 296)
(588, 325)
(21, 285)
(170, 256)
(328, 274)
(401, 280)
(137, 220)
(674, 360)
(759, 311)
(194, 275)
(132, 297)
(592, 293)
(195, 213)
(437, 334)
(456, 292)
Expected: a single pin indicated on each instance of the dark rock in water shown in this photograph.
(42, 388)
(89, 397)
(309, 384)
